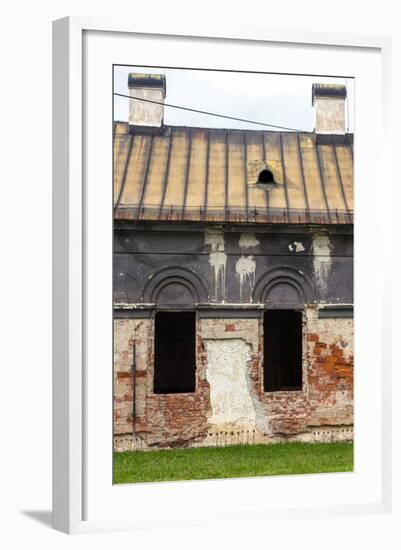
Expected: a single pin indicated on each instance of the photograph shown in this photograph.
(232, 302)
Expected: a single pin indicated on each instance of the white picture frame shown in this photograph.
(73, 476)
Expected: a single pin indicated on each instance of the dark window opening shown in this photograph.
(175, 362)
(282, 350)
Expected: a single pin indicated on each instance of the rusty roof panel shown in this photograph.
(345, 166)
(236, 169)
(122, 145)
(293, 172)
(312, 177)
(203, 174)
(217, 172)
(332, 183)
(157, 168)
(137, 163)
(195, 191)
(174, 196)
(256, 162)
(277, 197)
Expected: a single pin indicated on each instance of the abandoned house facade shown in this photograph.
(233, 279)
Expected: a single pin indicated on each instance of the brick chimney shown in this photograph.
(144, 115)
(329, 103)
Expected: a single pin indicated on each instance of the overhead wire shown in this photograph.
(209, 113)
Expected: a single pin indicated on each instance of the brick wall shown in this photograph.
(330, 372)
(229, 404)
(126, 331)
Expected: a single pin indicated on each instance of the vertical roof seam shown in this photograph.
(166, 174)
(226, 210)
(189, 151)
(145, 177)
(301, 164)
(340, 178)
(246, 176)
(207, 173)
(322, 180)
(267, 195)
(284, 175)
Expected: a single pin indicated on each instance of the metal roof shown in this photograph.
(199, 174)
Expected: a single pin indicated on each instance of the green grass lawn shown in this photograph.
(233, 461)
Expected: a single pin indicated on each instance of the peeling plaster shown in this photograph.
(245, 269)
(230, 393)
(218, 261)
(248, 240)
(321, 261)
(296, 246)
(214, 237)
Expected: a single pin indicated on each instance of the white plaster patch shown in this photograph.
(227, 374)
(321, 261)
(218, 261)
(248, 240)
(296, 246)
(214, 237)
(245, 269)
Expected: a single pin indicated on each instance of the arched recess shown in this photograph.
(174, 286)
(283, 287)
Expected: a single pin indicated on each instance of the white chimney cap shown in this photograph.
(146, 108)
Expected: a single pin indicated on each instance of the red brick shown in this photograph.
(122, 375)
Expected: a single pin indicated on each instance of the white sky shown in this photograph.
(276, 99)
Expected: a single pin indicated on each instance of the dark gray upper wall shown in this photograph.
(183, 264)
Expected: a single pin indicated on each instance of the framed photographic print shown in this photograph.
(213, 200)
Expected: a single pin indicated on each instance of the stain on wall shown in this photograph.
(248, 240)
(229, 351)
(245, 269)
(296, 246)
(321, 249)
(214, 240)
(213, 258)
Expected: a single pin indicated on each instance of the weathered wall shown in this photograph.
(224, 272)
(330, 360)
(231, 263)
(126, 331)
(160, 419)
(229, 404)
